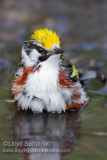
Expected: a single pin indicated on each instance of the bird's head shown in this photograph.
(42, 44)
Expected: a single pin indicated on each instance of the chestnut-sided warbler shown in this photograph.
(46, 80)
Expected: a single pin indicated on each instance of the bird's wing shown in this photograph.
(72, 72)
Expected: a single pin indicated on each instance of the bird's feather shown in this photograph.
(72, 72)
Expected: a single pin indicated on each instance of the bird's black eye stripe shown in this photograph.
(31, 46)
(41, 50)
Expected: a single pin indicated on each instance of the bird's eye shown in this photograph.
(40, 50)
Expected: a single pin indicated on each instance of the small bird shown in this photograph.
(46, 80)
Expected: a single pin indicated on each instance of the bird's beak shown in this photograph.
(56, 51)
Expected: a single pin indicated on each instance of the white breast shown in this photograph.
(43, 84)
(45, 79)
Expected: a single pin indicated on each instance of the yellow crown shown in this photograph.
(46, 37)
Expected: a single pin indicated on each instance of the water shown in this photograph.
(81, 26)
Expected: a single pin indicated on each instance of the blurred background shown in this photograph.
(82, 28)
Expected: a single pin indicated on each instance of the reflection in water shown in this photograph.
(46, 131)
